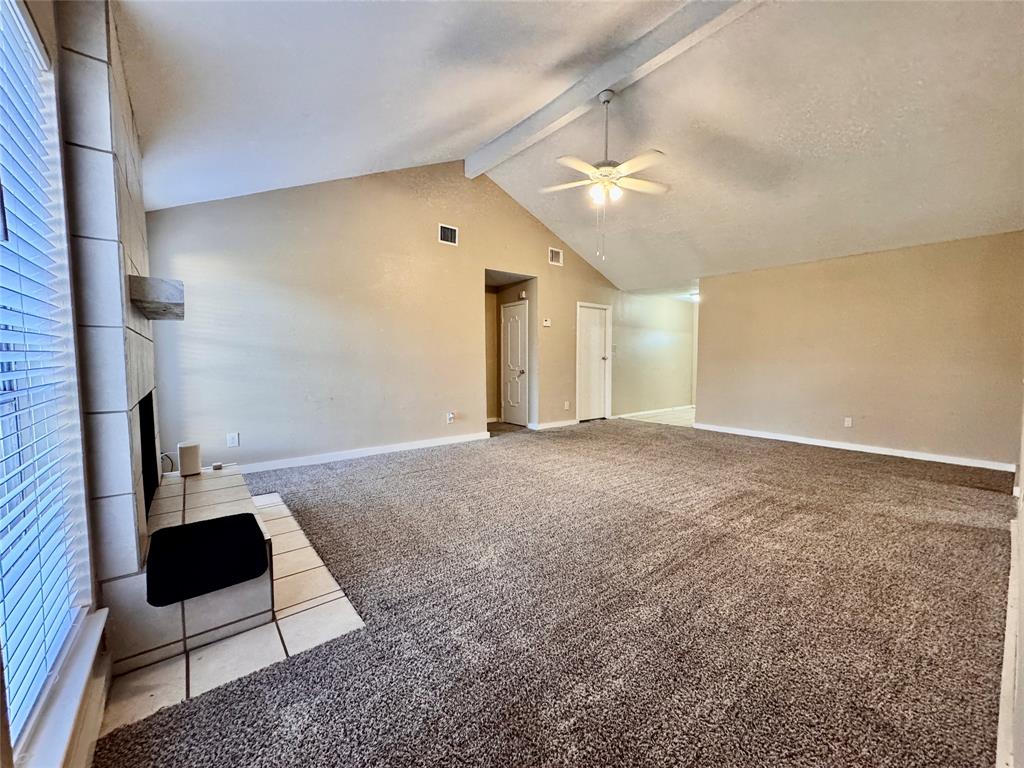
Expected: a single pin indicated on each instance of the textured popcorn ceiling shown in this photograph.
(239, 97)
(803, 131)
(800, 131)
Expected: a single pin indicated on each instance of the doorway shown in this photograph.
(593, 361)
(510, 350)
(515, 363)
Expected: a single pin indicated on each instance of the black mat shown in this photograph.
(195, 559)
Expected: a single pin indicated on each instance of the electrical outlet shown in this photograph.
(451, 417)
(848, 421)
(547, 322)
(232, 439)
(566, 406)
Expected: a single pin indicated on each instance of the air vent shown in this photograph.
(555, 257)
(446, 234)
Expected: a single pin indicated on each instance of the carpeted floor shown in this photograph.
(628, 594)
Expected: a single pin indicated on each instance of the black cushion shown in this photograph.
(198, 558)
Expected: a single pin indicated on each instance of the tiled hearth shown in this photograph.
(310, 607)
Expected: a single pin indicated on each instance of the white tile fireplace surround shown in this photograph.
(295, 606)
(139, 633)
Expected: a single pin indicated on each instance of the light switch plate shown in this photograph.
(232, 439)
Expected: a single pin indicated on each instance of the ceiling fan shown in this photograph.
(607, 179)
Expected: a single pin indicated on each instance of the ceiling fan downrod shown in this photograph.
(605, 98)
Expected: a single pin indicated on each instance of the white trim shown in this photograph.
(1007, 689)
(31, 33)
(961, 460)
(492, 419)
(356, 453)
(656, 411)
(552, 424)
(607, 352)
(47, 740)
(1016, 491)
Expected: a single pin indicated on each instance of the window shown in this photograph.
(44, 578)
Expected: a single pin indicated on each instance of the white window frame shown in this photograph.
(45, 737)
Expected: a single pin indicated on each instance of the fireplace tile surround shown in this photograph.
(310, 609)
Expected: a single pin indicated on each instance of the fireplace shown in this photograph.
(150, 452)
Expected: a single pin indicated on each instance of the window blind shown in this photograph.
(43, 547)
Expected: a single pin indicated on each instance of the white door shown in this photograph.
(592, 347)
(515, 367)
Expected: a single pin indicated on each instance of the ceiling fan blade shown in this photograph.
(577, 165)
(641, 161)
(640, 185)
(570, 185)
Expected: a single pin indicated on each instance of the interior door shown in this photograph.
(515, 363)
(592, 356)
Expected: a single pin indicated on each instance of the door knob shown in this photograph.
(604, 357)
(521, 371)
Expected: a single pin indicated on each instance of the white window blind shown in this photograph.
(43, 548)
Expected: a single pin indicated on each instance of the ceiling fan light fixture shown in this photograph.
(597, 194)
(615, 192)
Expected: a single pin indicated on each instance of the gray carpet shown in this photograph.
(628, 594)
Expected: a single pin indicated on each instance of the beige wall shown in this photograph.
(328, 317)
(653, 339)
(492, 343)
(921, 346)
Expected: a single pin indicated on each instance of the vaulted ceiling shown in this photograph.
(232, 98)
(803, 131)
(796, 131)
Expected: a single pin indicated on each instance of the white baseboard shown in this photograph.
(356, 453)
(491, 420)
(553, 424)
(1008, 686)
(1016, 491)
(961, 460)
(656, 411)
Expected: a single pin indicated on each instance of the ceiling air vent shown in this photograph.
(555, 257)
(446, 234)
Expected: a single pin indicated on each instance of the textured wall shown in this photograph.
(328, 317)
(652, 342)
(492, 344)
(921, 346)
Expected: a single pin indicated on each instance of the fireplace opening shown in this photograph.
(150, 460)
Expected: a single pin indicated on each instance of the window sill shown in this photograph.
(49, 738)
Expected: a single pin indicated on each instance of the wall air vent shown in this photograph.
(555, 257)
(446, 234)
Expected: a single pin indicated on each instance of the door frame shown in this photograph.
(607, 351)
(501, 354)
